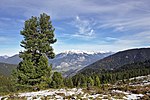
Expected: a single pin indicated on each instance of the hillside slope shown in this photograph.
(119, 59)
(6, 69)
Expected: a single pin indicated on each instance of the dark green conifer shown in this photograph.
(70, 83)
(90, 81)
(57, 80)
(38, 34)
(97, 81)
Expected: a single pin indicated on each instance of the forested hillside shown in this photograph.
(6, 69)
(119, 59)
(111, 76)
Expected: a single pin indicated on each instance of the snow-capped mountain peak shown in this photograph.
(82, 52)
(5, 56)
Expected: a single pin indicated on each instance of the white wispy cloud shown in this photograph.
(128, 24)
(141, 39)
(70, 8)
(84, 28)
(111, 38)
(103, 10)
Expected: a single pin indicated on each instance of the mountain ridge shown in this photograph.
(66, 62)
(84, 52)
(119, 59)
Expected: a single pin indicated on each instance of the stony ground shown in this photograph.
(134, 88)
(71, 94)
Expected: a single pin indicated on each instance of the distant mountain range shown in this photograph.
(118, 60)
(68, 62)
(10, 60)
(71, 62)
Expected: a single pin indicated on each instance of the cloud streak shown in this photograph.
(84, 28)
(73, 8)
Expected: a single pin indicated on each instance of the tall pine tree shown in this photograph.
(57, 80)
(38, 34)
(90, 81)
(97, 81)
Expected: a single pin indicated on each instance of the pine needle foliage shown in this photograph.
(38, 34)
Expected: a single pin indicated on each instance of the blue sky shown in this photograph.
(91, 25)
